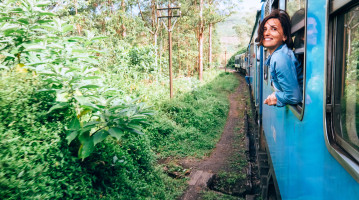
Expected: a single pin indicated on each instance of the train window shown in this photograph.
(265, 67)
(345, 83)
(296, 10)
(292, 6)
(342, 93)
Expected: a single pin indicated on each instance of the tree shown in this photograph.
(202, 14)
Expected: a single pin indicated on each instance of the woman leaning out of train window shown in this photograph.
(274, 34)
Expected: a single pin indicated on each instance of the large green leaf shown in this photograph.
(115, 132)
(17, 10)
(43, 4)
(23, 20)
(58, 106)
(87, 145)
(4, 18)
(99, 136)
(41, 21)
(89, 86)
(74, 124)
(84, 101)
(67, 28)
(71, 136)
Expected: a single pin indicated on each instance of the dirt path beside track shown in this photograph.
(229, 158)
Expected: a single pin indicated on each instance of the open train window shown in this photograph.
(342, 93)
(265, 67)
(297, 11)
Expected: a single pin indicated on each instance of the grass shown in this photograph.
(36, 161)
(191, 124)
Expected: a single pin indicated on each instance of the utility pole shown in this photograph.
(225, 61)
(169, 29)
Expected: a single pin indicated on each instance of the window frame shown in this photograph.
(341, 150)
(298, 110)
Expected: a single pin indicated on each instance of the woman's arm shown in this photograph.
(285, 71)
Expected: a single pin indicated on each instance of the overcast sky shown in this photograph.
(247, 4)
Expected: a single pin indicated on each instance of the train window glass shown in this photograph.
(294, 5)
(296, 10)
(265, 70)
(346, 83)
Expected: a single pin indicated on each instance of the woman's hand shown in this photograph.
(271, 100)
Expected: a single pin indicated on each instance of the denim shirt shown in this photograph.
(286, 75)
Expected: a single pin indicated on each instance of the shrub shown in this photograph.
(190, 124)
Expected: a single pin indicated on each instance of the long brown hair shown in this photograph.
(284, 20)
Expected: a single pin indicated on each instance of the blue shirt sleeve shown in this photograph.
(285, 71)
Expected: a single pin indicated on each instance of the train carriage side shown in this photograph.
(254, 64)
(313, 147)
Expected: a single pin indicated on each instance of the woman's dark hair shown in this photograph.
(284, 20)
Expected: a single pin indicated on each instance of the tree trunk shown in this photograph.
(210, 41)
(210, 45)
(123, 27)
(200, 42)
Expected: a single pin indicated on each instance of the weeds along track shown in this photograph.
(230, 170)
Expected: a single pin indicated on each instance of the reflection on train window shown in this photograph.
(346, 83)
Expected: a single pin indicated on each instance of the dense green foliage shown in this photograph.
(194, 120)
(67, 93)
(37, 162)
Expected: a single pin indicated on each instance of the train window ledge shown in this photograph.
(298, 26)
(297, 109)
(299, 51)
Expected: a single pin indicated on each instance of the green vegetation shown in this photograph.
(85, 114)
(37, 162)
(194, 120)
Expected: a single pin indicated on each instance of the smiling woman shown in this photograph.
(273, 35)
(286, 76)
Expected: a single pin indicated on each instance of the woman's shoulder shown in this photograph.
(283, 54)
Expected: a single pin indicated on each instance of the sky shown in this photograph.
(228, 36)
(248, 4)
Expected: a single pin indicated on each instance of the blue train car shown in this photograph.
(240, 63)
(312, 149)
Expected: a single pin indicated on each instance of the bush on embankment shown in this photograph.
(37, 163)
(190, 125)
(53, 85)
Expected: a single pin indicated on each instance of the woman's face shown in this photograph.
(273, 35)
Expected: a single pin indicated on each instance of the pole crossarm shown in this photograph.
(172, 8)
(169, 16)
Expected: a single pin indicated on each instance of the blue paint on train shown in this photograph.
(303, 166)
